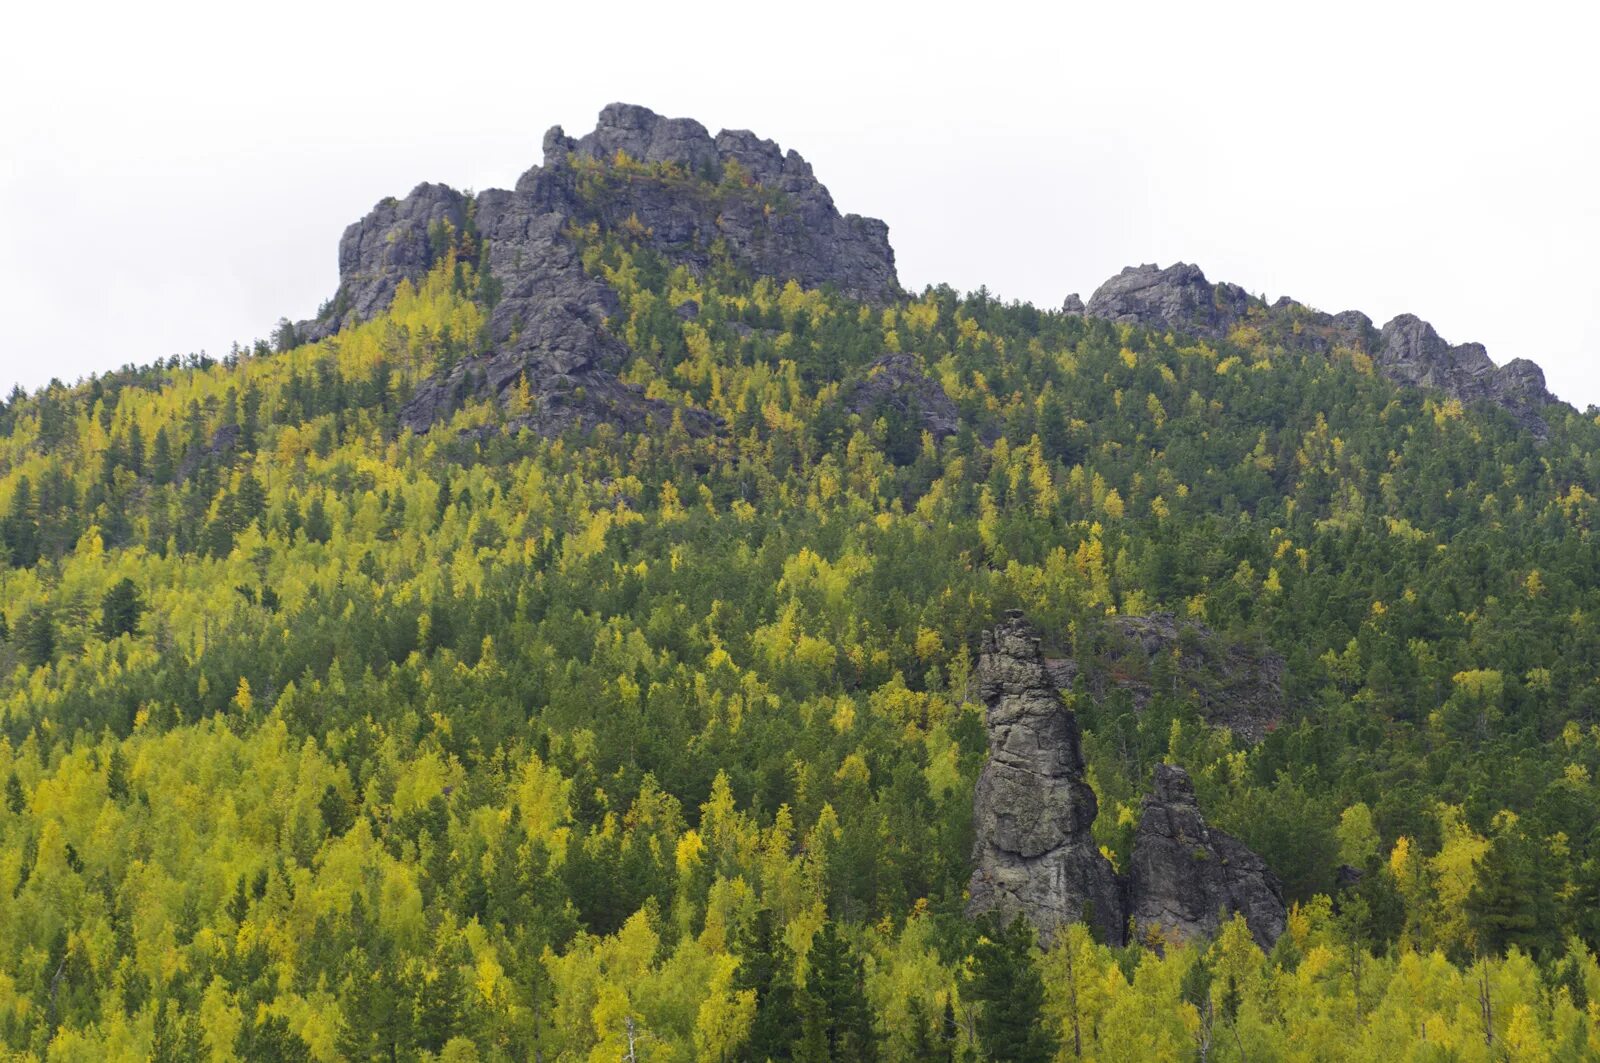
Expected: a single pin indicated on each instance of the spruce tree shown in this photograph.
(1006, 982)
(120, 610)
(836, 1021)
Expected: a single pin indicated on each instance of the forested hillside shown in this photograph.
(326, 738)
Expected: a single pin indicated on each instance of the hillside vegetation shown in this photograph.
(324, 739)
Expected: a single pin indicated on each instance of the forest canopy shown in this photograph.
(321, 739)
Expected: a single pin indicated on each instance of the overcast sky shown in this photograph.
(175, 177)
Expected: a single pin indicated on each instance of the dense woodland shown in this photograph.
(325, 740)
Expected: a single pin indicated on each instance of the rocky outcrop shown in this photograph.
(400, 239)
(670, 186)
(765, 205)
(1411, 352)
(1186, 878)
(897, 382)
(1233, 685)
(1178, 297)
(1407, 350)
(1034, 852)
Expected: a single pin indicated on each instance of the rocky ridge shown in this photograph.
(673, 185)
(691, 197)
(1034, 853)
(1407, 350)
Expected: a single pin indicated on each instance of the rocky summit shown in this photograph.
(686, 195)
(1035, 854)
(1407, 350)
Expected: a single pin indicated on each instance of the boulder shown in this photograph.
(897, 382)
(1178, 297)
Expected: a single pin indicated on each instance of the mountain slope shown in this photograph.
(631, 698)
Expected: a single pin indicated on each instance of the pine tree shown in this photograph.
(117, 775)
(318, 528)
(135, 455)
(833, 1004)
(766, 966)
(36, 638)
(1006, 982)
(20, 529)
(1512, 900)
(178, 1037)
(120, 610)
(161, 468)
(250, 503)
(270, 1040)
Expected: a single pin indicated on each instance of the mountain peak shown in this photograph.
(673, 187)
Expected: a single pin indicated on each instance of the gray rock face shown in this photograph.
(1186, 878)
(673, 186)
(1411, 352)
(1407, 350)
(1035, 855)
(1033, 811)
(1073, 306)
(1178, 297)
(393, 243)
(1235, 686)
(897, 381)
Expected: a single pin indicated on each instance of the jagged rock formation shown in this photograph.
(1411, 352)
(1034, 853)
(393, 243)
(673, 186)
(1033, 809)
(1186, 878)
(1178, 297)
(1235, 686)
(898, 382)
(1407, 350)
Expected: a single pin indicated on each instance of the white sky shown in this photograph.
(176, 176)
